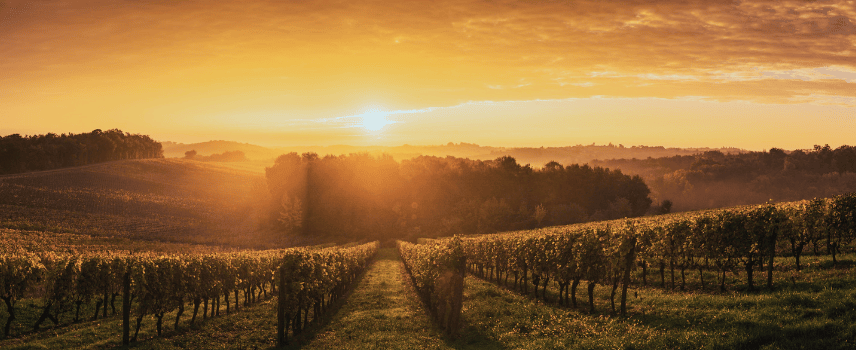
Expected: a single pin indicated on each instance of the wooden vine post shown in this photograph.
(282, 333)
(628, 265)
(126, 307)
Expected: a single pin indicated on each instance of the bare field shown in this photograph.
(171, 200)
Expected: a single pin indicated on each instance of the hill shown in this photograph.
(254, 152)
(715, 179)
(536, 156)
(170, 200)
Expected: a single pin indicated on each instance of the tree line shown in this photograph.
(51, 151)
(359, 196)
(228, 156)
(714, 180)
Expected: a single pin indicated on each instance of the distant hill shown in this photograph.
(581, 154)
(715, 179)
(535, 156)
(159, 199)
(254, 152)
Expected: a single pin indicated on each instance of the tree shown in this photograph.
(291, 214)
(665, 207)
(50, 151)
(190, 154)
(361, 196)
(540, 213)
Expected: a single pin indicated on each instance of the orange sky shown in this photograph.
(751, 74)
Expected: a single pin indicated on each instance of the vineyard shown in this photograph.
(72, 243)
(304, 280)
(168, 200)
(725, 278)
(437, 272)
(619, 253)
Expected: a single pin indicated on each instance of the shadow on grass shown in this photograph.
(817, 275)
(470, 337)
(753, 334)
(840, 264)
(175, 338)
(28, 312)
(387, 254)
(602, 304)
(202, 324)
(308, 334)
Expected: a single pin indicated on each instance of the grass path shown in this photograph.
(383, 312)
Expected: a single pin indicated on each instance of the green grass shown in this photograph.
(816, 312)
(384, 312)
(782, 320)
(252, 327)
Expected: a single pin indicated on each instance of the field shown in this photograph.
(383, 312)
(170, 200)
(177, 209)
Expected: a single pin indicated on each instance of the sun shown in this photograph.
(375, 120)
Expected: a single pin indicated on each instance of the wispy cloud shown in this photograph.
(582, 84)
(197, 59)
(811, 74)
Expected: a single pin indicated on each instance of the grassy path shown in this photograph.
(383, 312)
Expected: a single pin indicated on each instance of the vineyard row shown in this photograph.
(722, 240)
(437, 271)
(148, 284)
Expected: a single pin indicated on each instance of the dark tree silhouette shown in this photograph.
(713, 179)
(50, 151)
(359, 196)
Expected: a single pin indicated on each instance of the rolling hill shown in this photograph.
(171, 200)
(536, 156)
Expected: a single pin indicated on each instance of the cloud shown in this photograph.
(839, 73)
(444, 52)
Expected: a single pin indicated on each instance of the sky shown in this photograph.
(748, 74)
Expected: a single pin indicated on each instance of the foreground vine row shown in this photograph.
(150, 284)
(437, 271)
(721, 240)
(313, 279)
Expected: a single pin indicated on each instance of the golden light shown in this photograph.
(327, 72)
(374, 120)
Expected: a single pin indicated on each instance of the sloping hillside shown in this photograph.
(255, 152)
(159, 199)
